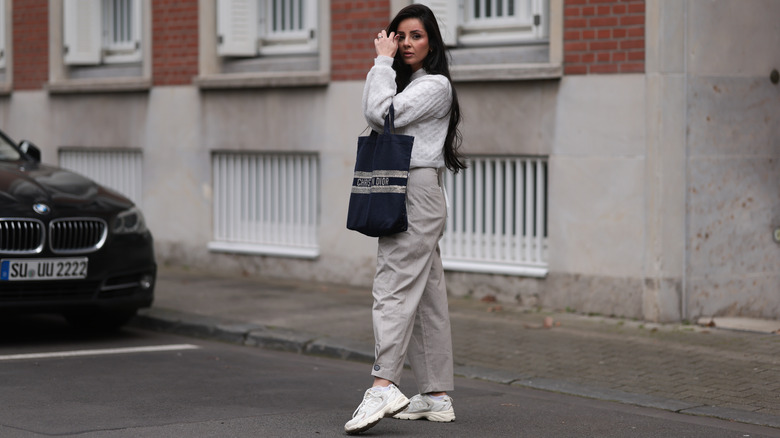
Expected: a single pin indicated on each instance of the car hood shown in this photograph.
(23, 184)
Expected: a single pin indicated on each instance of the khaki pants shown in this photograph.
(410, 297)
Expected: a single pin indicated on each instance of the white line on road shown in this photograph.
(60, 354)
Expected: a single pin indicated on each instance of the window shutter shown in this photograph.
(446, 12)
(539, 12)
(237, 27)
(3, 28)
(312, 15)
(81, 23)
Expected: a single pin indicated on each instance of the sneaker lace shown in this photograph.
(370, 402)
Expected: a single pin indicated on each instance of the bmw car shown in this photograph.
(69, 245)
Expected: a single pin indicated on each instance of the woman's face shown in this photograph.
(412, 42)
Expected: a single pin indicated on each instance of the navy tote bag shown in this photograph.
(377, 204)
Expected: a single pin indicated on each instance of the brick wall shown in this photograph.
(30, 44)
(174, 41)
(354, 25)
(604, 36)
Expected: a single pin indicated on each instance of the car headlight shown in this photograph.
(129, 221)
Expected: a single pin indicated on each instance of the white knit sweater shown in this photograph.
(421, 110)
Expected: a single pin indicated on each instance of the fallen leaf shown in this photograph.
(488, 299)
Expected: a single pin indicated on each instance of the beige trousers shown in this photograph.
(410, 298)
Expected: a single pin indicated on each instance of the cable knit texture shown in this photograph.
(421, 110)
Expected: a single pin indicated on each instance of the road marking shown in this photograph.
(61, 354)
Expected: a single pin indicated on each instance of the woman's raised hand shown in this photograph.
(386, 45)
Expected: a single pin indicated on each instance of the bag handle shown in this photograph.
(390, 120)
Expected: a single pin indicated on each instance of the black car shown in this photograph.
(68, 245)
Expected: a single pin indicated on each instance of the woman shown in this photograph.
(410, 297)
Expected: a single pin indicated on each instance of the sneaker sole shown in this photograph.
(373, 423)
(439, 417)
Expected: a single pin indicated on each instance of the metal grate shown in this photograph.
(21, 236)
(70, 236)
(497, 220)
(120, 169)
(267, 201)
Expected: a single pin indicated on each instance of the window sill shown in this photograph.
(525, 270)
(506, 72)
(263, 80)
(92, 85)
(269, 250)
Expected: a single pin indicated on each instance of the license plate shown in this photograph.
(43, 269)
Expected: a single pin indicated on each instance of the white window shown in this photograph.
(266, 27)
(266, 203)
(490, 22)
(102, 31)
(120, 170)
(497, 217)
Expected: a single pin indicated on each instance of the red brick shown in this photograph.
(638, 67)
(632, 44)
(174, 41)
(603, 21)
(575, 23)
(632, 20)
(575, 47)
(603, 45)
(570, 35)
(577, 69)
(30, 44)
(603, 68)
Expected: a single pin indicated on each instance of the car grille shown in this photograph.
(81, 235)
(21, 236)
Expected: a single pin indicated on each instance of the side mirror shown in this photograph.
(30, 150)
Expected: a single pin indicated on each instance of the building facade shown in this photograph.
(624, 154)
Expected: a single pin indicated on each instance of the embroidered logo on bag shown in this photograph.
(380, 181)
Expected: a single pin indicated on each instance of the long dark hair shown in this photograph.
(436, 62)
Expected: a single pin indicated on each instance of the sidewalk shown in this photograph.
(728, 374)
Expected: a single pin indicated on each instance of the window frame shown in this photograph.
(505, 53)
(248, 68)
(86, 77)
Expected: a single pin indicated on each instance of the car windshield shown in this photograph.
(7, 151)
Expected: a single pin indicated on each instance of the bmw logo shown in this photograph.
(41, 208)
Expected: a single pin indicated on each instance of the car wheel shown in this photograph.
(100, 321)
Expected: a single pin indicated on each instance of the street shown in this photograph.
(58, 382)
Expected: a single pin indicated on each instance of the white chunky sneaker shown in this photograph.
(424, 406)
(376, 405)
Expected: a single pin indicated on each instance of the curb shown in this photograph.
(282, 339)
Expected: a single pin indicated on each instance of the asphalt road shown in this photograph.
(58, 382)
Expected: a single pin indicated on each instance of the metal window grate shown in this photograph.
(118, 25)
(21, 236)
(121, 170)
(497, 218)
(266, 202)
